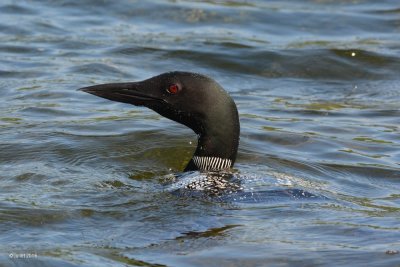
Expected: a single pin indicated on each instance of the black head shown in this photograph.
(194, 100)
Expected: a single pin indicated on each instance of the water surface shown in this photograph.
(318, 91)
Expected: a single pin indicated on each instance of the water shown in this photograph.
(318, 91)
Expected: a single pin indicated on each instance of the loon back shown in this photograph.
(194, 100)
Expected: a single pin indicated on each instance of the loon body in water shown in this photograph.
(200, 103)
(194, 100)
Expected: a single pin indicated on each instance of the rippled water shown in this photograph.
(318, 91)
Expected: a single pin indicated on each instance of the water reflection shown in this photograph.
(317, 175)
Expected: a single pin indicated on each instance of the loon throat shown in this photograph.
(191, 99)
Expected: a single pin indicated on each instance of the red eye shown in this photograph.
(173, 89)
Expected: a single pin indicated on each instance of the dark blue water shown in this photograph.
(86, 181)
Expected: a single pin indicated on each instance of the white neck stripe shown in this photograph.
(212, 163)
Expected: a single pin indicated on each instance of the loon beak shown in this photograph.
(132, 93)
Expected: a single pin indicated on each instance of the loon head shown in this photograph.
(194, 100)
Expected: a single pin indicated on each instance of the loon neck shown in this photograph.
(217, 145)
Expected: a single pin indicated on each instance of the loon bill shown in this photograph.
(191, 99)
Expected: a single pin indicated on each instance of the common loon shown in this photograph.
(192, 99)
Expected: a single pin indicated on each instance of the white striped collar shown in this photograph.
(212, 163)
